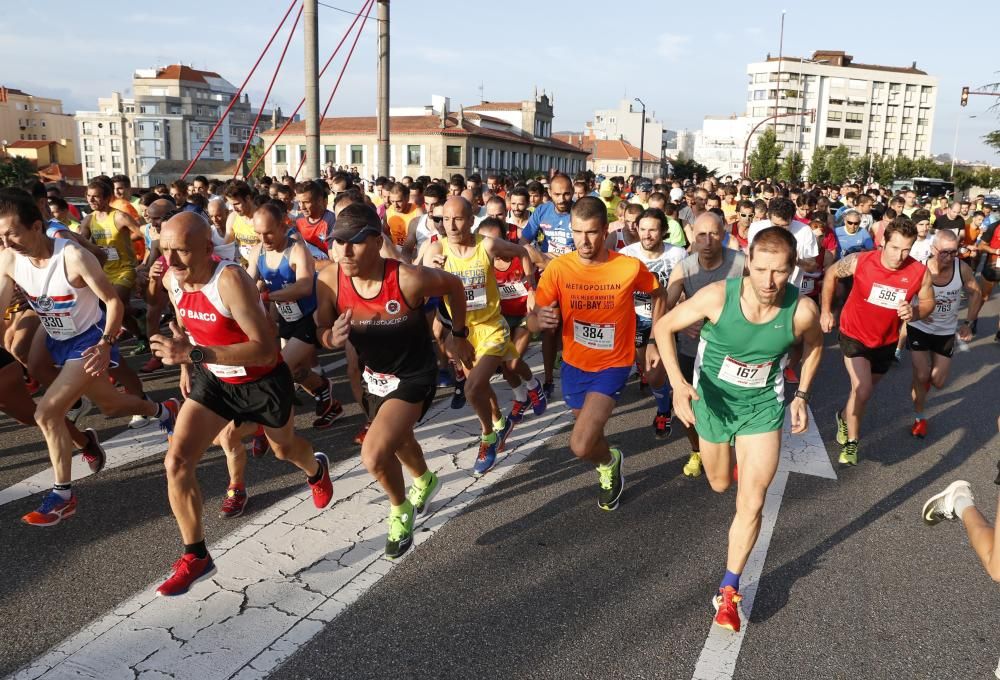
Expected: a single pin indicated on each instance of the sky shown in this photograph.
(685, 60)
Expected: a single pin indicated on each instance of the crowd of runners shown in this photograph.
(714, 295)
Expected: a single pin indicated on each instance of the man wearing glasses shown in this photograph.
(931, 340)
(741, 227)
(851, 238)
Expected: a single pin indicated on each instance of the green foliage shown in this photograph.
(838, 164)
(254, 153)
(792, 167)
(15, 170)
(993, 139)
(763, 160)
(685, 168)
(817, 167)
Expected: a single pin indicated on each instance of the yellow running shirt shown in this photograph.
(482, 299)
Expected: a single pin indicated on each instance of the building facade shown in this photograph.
(869, 108)
(719, 145)
(626, 123)
(25, 117)
(434, 141)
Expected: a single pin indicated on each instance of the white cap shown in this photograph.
(676, 194)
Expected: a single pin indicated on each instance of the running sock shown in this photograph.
(490, 438)
(533, 384)
(963, 501)
(323, 394)
(314, 479)
(406, 508)
(520, 392)
(663, 398)
(919, 415)
(64, 491)
(424, 480)
(499, 424)
(732, 580)
(197, 549)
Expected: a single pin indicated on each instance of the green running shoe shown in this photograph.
(841, 430)
(420, 497)
(400, 536)
(141, 347)
(612, 481)
(849, 453)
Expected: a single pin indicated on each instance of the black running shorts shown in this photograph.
(880, 358)
(410, 391)
(6, 358)
(919, 341)
(266, 401)
(304, 329)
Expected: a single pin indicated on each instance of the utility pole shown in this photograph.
(642, 137)
(781, 49)
(310, 12)
(383, 88)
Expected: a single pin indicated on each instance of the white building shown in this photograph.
(882, 110)
(720, 145)
(625, 122)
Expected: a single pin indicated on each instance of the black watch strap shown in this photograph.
(197, 355)
(804, 396)
(464, 333)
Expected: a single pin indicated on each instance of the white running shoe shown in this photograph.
(74, 414)
(139, 421)
(941, 506)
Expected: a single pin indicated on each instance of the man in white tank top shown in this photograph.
(64, 284)
(931, 340)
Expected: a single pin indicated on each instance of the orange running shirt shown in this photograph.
(596, 304)
(399, 223)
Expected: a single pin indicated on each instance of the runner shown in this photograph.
(65, 285)
(629, 233)
(240, 222)
(231, 370)
(315, 223)
(375, 304)
(709, 262)
(590, 293)
(931, 341)
(885, 283)
(737, 396)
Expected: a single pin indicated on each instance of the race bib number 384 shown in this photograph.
(594, 335)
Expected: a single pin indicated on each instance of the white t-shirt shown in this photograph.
(805, 241)
(660, 265)
(921, 250)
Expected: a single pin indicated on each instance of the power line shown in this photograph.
(346, 11)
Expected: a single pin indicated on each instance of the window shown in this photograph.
(760, 94)
(759, 111)
(834, 115)
(852, 134)
(44, 137)
(836, 102)
(854, 118)
(413, 154)
(280, 154)
(116, 162)
(116, 145)
(357, 154)
(891, 119)
(88, 145)
(856, 84)
(453, 154)
(43, 123)
(330, 153)
(149, 108)
(89, 160)
(760, 78)
(113, 128)
(87, 128)
(906, 128)
(832, 132)
(838, 82)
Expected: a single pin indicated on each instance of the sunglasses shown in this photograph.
(853, 224)
(746, 214)
(436, 218)
(950, 253)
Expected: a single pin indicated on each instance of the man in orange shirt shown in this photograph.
(400, 213)
(590, 291)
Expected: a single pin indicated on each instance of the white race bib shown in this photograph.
(513, 290)
(245, 252)
(222, 371)
(644, 307)
(744, 375)
(58, 326)
(594, 335)
(380, 384)
(112, 254)
(808, 285)
(289, 310)
(886, 296)
(475, 297)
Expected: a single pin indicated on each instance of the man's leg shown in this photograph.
(757, 456)
(231, 441)
(940, 369)
(550, 346)
(129, 321)
(921, 380)
(587, 442)
(69, 385)
(717, 459)
(479, 393)
(862, 385)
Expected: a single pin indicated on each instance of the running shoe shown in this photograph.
(941, 506)
(93, 452)
(693, 467)
(849, 453)
(919, 428)
(612, 481)
(141, 347)
(139, 421)
(841, 429)
(549, 388)
(173, 407)
(234, 502)
(661, 425)
(421, 497)
(791, 376)
(32, 385)
(458, 398)
(445, 378)
(52, 510)
(897, 356)
(259, 445)
(400, 536)
(153, 364)
(517, 411)
(323, 489)
(539, 400)
(728, 613)
(187, 570)
(359, 438)
(333, 411)
(74, 414)
(503, 433)
(486, 459)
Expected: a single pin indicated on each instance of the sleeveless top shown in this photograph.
(246, 237)
(482, 298)
(869, 315)
(210, 323)
(116, 244)
(225, 251)
(661, 265)
(64, 311)
(391, 335)
(513, 288)
(399, 222)
(695, 278)
(944, 319)
(316, 233)
(739, 364)
(280, 277)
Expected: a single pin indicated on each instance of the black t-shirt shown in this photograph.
(944, 222)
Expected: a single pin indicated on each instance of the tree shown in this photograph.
(792, 167)
(689, 168)
(817, 167)
(15, 170)
(993, 139)
(254, 153)
(763, 160)
(883, 169)
(838, 165)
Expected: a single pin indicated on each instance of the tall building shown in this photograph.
(869, 108)
(172, 111)
(25, 117)
(626, 123)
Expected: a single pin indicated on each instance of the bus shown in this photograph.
(926, 187)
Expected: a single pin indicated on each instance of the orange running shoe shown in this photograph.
(727, 609)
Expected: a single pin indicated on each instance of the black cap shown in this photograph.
(357, 222)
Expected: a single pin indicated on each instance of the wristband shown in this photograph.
(804, 396)
(462, 334)
(265, 296)
(108, 339)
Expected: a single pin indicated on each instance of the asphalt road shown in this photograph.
(534, 581)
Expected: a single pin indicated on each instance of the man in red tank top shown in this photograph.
(231, 370)
(881, 299)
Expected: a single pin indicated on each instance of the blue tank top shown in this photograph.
(284, 275)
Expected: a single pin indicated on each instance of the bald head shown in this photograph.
(458, 206)
(189, 226)
(159, 208)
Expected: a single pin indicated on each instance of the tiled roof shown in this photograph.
(14, 90)
(619, 149)
(495, 106)
(186, 73)
(30, 144)
(57, 172)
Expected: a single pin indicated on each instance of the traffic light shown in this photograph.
(965, 96)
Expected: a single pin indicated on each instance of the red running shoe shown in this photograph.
(93, 453)
(154, 364)
(52, 510)
(791, 376)
(727, 609)
(32, 385)
(187, 570)
(234, 502)
(359, 438)
(323, 489)
(259, 444)
(919, 428)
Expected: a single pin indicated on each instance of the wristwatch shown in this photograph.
(108, 339)
(804, 396)
(463, 334)
(196, 355)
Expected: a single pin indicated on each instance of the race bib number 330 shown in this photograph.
(594, 335)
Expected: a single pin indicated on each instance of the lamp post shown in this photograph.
(781, 47)
(954, 149)
(642, 137)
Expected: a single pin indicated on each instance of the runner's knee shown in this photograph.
(582, 442)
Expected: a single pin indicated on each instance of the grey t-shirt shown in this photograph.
(696, 278)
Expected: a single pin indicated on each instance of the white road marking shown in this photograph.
(285, 575)
(804, 454)
(129, 446)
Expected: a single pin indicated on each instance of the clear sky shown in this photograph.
(685, 60)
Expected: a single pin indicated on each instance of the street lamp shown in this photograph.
(954, 150)
(642, 137)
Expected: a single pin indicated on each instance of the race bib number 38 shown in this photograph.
(744, 375)
(886, 296)
(475, 297)
(594, 335)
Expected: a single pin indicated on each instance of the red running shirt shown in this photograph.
(513, 287)
(870, 315)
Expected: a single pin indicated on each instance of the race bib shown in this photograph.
(475, 297)
(594, 335)
(380, 384)
(221, 371)
(644, 307)
(808, 285)
(112, 254)
(744, 375)
(559, 247)
(58, 326)
(513, 290)
(886, 296)
(245, 252)
(289, 310)
(943, 306)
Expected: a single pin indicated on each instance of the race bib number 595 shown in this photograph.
(886, 296)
